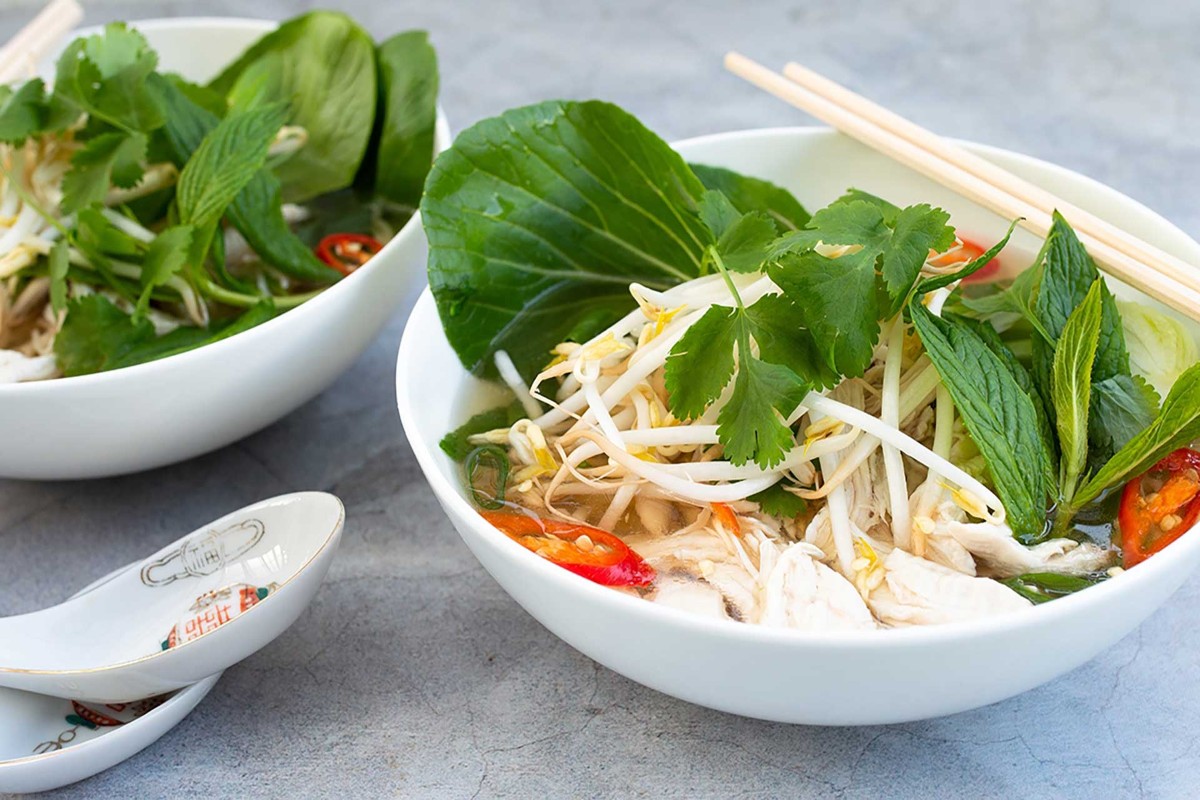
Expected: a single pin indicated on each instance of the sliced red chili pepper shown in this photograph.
(590, 552)
(346, 252)
(727, 517)
(1150, 522)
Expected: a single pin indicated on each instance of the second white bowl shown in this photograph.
(165, 411)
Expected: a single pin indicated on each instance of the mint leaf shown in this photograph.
(540, 218)
(1122, 407)
(59, 264)
(225, 162)
(999, 415)
(749, 194)
(701, 363)
(1177, 425)
(257, 212)
(1072, 387)
(1018, 298)
(1068, 274)
(165, 257)
(106, 160)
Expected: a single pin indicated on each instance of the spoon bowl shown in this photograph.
(189, 611)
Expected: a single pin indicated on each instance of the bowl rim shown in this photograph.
(442, 140)
(455, 502)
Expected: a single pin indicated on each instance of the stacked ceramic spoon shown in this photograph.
(88, 683)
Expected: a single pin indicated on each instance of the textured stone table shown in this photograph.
(413, 674)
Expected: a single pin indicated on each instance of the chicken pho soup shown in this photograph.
(720, 401)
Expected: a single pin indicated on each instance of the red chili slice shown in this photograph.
(346, 252)
(1151, 521)
(590, 552)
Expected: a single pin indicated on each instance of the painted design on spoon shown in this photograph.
(92, 717)
(214, 609)
(204, 554)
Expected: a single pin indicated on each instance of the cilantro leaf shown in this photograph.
(918, 230)
(751, 425)
(743, 240)
(97, 336)
(837, 301)
(96, 234)
(106, 75)
(701, 363)
(782, 338)
(779, 502)
(29, 110)
(106, 160)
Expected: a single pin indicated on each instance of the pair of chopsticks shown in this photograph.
(1119, 253)
(20, 55)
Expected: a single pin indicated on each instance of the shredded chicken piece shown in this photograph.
(919, 592)
(803, 593)
(1005, 557)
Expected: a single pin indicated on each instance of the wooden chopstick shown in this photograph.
(1081, 221)
(1155, 277)
(20, 55)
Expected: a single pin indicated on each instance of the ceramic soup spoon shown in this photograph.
(47, 742)
(189, 611)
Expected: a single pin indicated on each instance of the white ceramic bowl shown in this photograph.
(165, 411)
(828, 679)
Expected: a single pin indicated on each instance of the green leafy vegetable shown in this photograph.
(749, 194)
(165, 257)
(29, 110)
(971, 267)
(1160, 347)
(1177, 425)
(998, 413)
(540, 218)
(742, 239)
(778, 502)
(456, 444)
(1072, 387)
(751, 425)
(98, 336)
(1040, 587)
(225, 162)
(1068, 274)
(323, 64)
(107, 160)
(257, 211)
(106, 76)
(406, 117)
(59, 264)
(843, 299)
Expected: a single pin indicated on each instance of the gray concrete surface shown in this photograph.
(414, 675)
